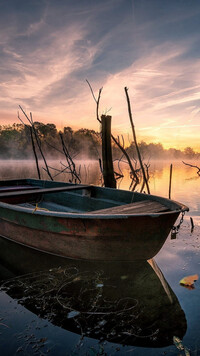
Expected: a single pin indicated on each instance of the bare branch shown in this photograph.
(193, 166)
(91, 91)
(128, 159)
(97, 101)
(35, 154)
(21, 120)
(70, 162)
(30, 120)
(135, 139)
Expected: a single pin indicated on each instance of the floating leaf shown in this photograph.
(189, 281)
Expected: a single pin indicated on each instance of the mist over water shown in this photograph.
(185, 181)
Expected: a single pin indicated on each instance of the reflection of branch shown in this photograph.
(157, 270)
(191, 165)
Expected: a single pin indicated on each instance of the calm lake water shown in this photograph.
(51, 307)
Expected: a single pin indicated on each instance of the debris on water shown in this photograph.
(178, 343)
(72, 314)
(20, 349)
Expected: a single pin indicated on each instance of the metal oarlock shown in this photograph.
(175, 229)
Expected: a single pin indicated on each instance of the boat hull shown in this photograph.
(124, 239)
(85, 222)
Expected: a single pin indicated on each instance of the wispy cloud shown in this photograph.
(48, 50)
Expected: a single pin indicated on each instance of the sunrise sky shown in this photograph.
(48, 48)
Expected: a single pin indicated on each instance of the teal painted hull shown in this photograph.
(86, 227)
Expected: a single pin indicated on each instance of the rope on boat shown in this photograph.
(38, 208)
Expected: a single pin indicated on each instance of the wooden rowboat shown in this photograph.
(85, 221)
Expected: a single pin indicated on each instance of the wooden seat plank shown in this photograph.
(145, 206)
(5, 189)
(33, 191)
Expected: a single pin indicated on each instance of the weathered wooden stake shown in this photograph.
(170, 181)
(108, 171)
(192, 224)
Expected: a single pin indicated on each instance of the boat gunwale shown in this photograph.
(178, 207)
(88, 215)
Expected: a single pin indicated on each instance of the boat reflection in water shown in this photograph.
(124, 303)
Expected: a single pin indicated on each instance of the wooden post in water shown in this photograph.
(170, 181)
(108, 171)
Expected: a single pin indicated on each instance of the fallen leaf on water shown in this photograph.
(189, 281)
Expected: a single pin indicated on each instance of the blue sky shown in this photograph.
(48, 48)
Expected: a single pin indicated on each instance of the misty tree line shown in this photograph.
(15, 143)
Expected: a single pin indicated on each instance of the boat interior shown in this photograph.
(66, 197)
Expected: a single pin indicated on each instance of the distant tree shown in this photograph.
(87, 142)
(69, 137)
(9, 142)
(68, 131)
(45, 130)
(189, 153)
(174, 153)
(147, 150)
(15, 142)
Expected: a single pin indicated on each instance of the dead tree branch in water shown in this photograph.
(147, 176)
(133, 173)
(193, 166)
(35, 154)
(135, 140)
(70, 162)
(70, 169)
(97, 101)
(30, 120)
(33, 146)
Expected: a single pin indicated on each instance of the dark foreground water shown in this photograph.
(51, 307)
